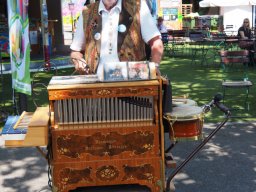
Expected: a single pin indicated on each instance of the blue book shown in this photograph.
(9, 133)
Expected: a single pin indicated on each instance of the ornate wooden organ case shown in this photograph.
(105, 134)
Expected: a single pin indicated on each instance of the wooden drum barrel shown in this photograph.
(185, 123)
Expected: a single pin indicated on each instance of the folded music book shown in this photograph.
(73, 79)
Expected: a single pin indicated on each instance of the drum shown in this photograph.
(185, 123)
(179, 102)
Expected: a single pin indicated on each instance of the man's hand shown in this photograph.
(158, 73)
(81, 66)
(79, 62)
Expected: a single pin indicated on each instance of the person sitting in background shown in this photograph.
(161, 27)
(244, 32)
(207, 32)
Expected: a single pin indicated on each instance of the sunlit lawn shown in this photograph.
(201, 81)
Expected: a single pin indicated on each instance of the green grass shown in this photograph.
(198, 82)
(40, 82)
(39, 96)
(201, 82)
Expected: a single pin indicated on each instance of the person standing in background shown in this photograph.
(160, 25)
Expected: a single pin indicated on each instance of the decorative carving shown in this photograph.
(104, 92)
(77, 93)
(125, 91)
(107, 173)
(69, 94)
(143, 172)
(71, 176)
(110, 144)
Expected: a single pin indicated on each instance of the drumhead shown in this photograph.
(186, 112)
(179, 102)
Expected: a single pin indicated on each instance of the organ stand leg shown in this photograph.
(170, 147)
(161, 129)
(42, 152)
(169, 160)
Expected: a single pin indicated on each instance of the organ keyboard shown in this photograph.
(31, 129)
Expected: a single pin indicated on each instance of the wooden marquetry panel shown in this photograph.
(102, 92)
(105, 134)
(105, 144)
(147, 171)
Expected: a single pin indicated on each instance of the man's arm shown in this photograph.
(77, 47)
(152, 37)
(157, 50)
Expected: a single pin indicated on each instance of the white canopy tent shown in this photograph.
(233, 11)
(225, 3)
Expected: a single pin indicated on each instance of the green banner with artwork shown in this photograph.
(19, 45)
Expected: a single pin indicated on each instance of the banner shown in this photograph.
(152, 5)
(19, 45)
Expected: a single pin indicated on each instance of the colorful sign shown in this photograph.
(68, 14)
(170, 10)
(19, 45)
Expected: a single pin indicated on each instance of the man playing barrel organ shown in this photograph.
(113, 31)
